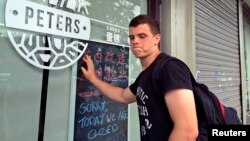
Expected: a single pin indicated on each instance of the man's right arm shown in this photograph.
(123, 95)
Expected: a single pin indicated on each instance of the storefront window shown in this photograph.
(43, 95)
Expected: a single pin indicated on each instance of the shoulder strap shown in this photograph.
(159, 64)
(165, 58)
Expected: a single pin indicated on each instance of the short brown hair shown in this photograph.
(145, 19)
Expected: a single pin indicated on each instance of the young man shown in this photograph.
(166, 106)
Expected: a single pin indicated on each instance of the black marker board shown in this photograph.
(98, 118)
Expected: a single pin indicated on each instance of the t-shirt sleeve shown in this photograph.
(175, 75)
(132, 88)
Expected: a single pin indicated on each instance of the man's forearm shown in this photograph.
(113, 92)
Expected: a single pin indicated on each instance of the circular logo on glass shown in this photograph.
(49, 34)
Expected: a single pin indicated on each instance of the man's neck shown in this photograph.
(147, 61)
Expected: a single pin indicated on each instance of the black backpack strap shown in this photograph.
(160, 60)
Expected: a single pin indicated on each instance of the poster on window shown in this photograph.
(96, 116)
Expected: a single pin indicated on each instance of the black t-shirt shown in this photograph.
(149, 88)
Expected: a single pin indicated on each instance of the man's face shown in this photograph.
(142, 41)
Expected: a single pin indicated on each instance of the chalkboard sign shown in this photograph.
(98, 118)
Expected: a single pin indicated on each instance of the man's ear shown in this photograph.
(157, 38)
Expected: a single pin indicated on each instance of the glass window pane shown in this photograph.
(42, 42)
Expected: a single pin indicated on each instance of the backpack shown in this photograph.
(210, 109)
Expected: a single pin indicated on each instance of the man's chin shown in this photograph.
(137, 54)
